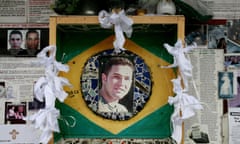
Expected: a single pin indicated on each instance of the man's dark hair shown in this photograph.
(116, 61)
(32, 31)
(15, 32)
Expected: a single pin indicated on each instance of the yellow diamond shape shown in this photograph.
(161, 88)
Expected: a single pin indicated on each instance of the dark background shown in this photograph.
(44, 39)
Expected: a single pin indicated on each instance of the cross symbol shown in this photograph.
(14, 133)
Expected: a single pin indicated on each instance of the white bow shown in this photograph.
(46, 121)
(121, 23)
(49, 88)
(185, 67)
(184, 103)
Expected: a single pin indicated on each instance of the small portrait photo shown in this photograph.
(16, 42)
(116, 78)
(2, 89)
(32, 41)
(14, 113)
(24, 42)
(225, 84)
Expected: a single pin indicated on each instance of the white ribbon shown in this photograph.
(184, 65)
(184, 105)
(45, 136)
(121, 23)
(45, 120)
(49, 88)
(51, 85)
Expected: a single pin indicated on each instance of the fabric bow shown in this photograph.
(46, 120)
(180, 60)
(49, 88)
(121, 23)
(184, 103)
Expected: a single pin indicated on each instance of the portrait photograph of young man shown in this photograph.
(116, 78)
(15, 42)
(32, 41)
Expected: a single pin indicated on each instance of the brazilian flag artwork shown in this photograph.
(79, 46)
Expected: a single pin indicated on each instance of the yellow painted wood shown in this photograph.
(71, 20)
(52, 31)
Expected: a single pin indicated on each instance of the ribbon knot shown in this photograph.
(184, 103)
(49, 88)
(122, 24)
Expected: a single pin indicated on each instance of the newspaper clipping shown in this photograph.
(234, 125)
(205, 126)
(17, 78)
(233, 116)
(224, 9)
(25, 11)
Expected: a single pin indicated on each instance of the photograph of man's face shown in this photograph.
(33, 39)
(24, 42)
(15, 39)
(114, 86)
(116, 79)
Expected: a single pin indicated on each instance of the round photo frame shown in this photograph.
(139, 90)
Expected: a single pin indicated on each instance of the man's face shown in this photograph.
(118, 81)
(15, 41)
(32, 41)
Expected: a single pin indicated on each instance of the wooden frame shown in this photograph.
(179, 20)
(56, 20)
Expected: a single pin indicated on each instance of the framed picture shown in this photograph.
(113, 86)
(225, 84)
(86, 47)
(23, 42)
(14, 113)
